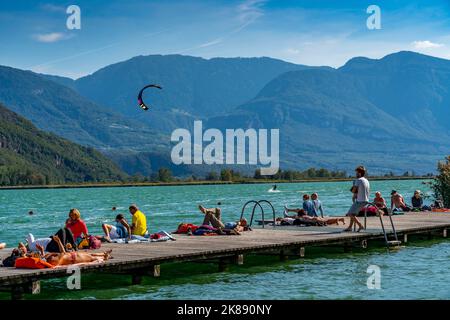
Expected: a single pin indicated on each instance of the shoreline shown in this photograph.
(196, 183)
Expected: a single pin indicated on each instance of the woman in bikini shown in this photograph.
(67, 258)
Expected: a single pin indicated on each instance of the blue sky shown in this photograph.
(34, 34)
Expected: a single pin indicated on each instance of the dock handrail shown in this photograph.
(273, 210)
(386, 239)
(258, 204)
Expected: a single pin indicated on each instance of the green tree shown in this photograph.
(165, 175)
(441, 184)
(226, 175)
(212, 176)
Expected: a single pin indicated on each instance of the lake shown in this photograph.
(418, 271)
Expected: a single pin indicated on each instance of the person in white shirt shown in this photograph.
(361, 191)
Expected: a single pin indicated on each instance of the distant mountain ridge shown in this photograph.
(30, 156)
(377, 117)
(391, 114)
(59, 109)
(193, 88)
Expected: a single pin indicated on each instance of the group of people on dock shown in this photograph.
(63, 248)
(312, 206)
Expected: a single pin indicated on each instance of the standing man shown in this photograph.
(361, 190)
(139, 221)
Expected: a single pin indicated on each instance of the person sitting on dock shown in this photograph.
(66, 237)
(360, 190)
(76, 225)
(308, 208)
(139, 222)
(417, 202)
(398, 202)
(317, 204)
(380, 203)
(120, 230)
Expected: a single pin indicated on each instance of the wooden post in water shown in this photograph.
(223, 264)
(283, 256)
(405, 238)
(444, 233)
(239, 259)
(136, 278)
(302, 252)
(18, 291)
(156, 271)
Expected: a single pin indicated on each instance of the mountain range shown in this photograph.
(391, 114)
(29, 156)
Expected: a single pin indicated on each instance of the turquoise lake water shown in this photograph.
(418, 271)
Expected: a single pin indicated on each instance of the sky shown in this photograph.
(34, 35)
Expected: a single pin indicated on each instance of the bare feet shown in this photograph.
(202, 208)
(360, 228)
(349, 229)
(107, 255)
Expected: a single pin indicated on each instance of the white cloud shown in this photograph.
(50, 37)
(426, 45)
(250, 10)
(292, 51)
(53, 8)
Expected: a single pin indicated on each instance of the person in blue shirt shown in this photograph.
(308, 206)
(317, 204)
(307, 209)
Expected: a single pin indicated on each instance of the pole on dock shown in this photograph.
(444, 233)
(405, 238)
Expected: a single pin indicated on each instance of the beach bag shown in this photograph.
(371, 211)
(83, 243)
(184, 227)
(204, 230)
(94, 243)
(31, 263)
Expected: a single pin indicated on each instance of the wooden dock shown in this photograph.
(144, 259)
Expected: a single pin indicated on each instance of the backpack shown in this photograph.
(9, 261)
(94, 243)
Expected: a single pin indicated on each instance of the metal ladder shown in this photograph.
(389, 243)
(255, 205)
